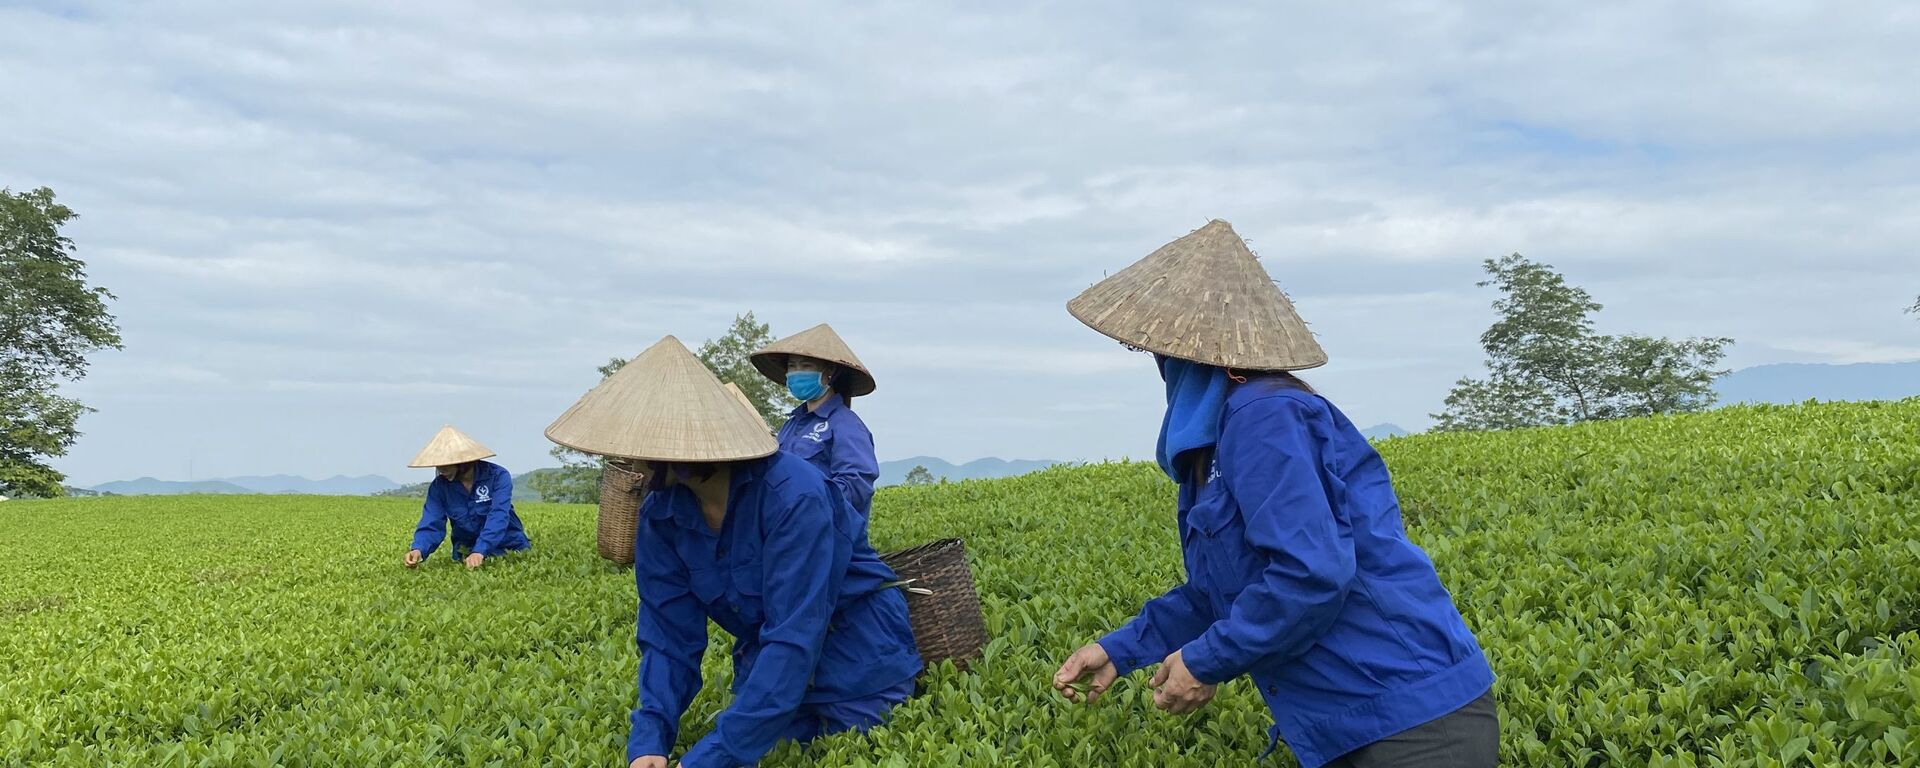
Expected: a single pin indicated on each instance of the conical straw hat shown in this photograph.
(450, 446)
(663, 406)
(1205, 298)
(742, 397)
(819, 343)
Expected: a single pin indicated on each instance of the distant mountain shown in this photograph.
(338, 485)
(419, 490)
(522, 490)
(895, 472)
(148, 486)
(1787, 383)
(1383, 431)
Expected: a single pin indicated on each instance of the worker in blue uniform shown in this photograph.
(821, 372)
(755, 539)
(1299, 571)
(473, 497)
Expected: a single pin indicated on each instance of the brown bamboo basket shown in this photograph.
(621, 490)
(947, 624)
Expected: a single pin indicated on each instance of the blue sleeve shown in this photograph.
(1271, 463)
(806, 558)
(1164, 624)
(433, 522)
(852, 466)
(672, 634)
(499, 514)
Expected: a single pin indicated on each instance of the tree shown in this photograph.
(919, 475)
(729, 358)
(1647, 376)
(577, 481)
(1499, 402)
(1546, 365)
(1915, 309)
(50, 320)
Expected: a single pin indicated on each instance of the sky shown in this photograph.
(333, 228)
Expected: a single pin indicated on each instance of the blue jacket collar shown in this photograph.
(832, 405)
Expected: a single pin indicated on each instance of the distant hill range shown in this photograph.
(522, 490)
(1799, 382)
(1383, 431)
(1782, 383)
(895, 472)
(338, 485)
(148, 486)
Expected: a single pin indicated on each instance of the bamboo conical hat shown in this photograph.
(449, 446)
(819, 343)
(742, 397)
(1205, 298)
(663, 406)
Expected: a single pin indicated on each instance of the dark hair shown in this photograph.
(842, 379)
(1287, 378)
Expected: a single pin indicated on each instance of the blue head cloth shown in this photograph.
(1196, 397)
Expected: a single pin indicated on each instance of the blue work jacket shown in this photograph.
(835, 441)
(813, 612)
(1300, 574)
(483, 519)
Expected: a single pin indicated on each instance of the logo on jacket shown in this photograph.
(818, 434)
(482, 493)
(1213, 471)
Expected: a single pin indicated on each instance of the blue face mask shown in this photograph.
(806, 386)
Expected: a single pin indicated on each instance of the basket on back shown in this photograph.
(941, 602)
(621, 491)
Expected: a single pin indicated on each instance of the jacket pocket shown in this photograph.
(749, 600)
(1217, 545)
(707, 584)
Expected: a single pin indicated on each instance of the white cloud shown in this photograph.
(403, 213)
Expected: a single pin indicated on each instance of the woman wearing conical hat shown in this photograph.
(821, 372)
(474, 496)
(1299, 572)
(737, 531)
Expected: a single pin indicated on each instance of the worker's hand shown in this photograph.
(474, 560)
(649, 761)
(413, 558)
(1176, 690)
(1091, 659)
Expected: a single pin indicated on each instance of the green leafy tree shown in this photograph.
(1647, 376)
(1497, 402)
(728, 356)
(919, 475)
(50, 320)
(1546, 364)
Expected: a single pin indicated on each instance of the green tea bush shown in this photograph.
(1734, 588)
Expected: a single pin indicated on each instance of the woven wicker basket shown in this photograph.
(947, 624)
(621, 490)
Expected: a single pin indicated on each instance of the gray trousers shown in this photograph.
(1468, 737)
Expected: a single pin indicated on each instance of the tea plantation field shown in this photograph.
(1738, 588)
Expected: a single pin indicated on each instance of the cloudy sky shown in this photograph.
(333, 229)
